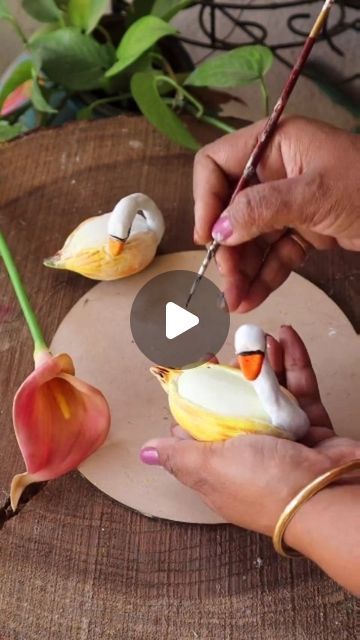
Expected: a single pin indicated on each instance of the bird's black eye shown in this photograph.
(120, 239)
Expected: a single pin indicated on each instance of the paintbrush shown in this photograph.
(249, 173)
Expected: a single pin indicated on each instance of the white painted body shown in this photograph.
(282, 408)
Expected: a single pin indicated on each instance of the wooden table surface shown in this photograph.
(74, 564)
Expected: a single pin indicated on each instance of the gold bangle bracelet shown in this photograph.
(303, 496)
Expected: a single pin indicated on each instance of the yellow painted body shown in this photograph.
(94, 260)
(204, 424)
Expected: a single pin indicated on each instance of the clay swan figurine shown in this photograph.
(116, 244)
(213, 402)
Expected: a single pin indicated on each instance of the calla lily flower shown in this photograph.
(59, 420)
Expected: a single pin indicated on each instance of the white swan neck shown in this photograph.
(152, 214)
(123, 215)
(267, 387)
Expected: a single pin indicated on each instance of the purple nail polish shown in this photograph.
(222, 229)
(149, 455)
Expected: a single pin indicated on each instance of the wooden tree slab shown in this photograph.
(73, 563)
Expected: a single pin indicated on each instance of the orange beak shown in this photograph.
(116, 246)
(250, 364)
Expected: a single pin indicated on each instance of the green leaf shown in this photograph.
(86, 13)
(142, 35)
(237, 67)
(4, 11)
(42, 31)
(73, 59)
(38, 99)
(167, 9)
(146, 95)
(42, 10)
(19, 75)
(10, 131)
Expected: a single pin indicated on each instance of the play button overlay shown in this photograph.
(178, 320)
(168, 333)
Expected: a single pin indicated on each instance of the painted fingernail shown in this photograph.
(222, 229)
(149, 455)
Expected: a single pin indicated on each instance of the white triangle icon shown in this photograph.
(178, 320)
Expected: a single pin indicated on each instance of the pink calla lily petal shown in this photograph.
(18, 98)
(59, 421)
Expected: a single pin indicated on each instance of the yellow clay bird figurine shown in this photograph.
(116, 244)
(213, 402)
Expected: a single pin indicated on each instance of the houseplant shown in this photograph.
(82, 58)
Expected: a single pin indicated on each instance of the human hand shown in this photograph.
(249, 480)
(309, 182)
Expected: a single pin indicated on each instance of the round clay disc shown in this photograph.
(96, 333)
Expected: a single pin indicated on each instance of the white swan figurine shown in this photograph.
(116, 244)
(280, 404)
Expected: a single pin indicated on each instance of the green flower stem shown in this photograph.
(36, 333)
(219, 124)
